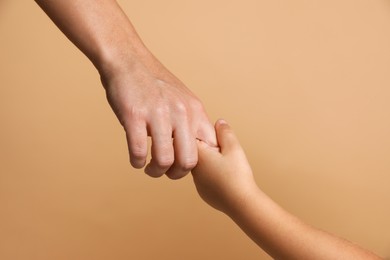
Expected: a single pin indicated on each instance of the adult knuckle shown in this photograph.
(181, 108)
(136, 112)
(161, 110)
(188, 164)
(138, 152)
(196, 105)
(164, 161)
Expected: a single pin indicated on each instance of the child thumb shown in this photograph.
(226, 138)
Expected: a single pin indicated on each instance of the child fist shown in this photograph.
(223, 178)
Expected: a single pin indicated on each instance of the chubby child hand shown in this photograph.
(224, 178)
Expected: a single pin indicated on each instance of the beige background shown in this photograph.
(305, 84)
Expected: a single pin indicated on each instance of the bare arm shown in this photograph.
(98, 28)
(145, 96)
(284, 236)
(225, 181)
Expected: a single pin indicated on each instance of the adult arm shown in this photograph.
(147, 99)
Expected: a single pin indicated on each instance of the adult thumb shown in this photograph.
(206, 133)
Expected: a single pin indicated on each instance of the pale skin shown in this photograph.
(150, 101)
(225, 181)
(147, 99)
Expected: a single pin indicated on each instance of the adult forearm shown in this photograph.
(99, 28)
(284, 236)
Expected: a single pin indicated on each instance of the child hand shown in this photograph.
(225, 181)
(223, 178)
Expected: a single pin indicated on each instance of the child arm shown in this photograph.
(225, 181)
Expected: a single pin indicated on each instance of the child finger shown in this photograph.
(227, 140)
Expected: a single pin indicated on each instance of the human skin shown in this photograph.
(225, 181)
(147, 99)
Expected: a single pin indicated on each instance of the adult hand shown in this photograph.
(145, 96)
(149, 101)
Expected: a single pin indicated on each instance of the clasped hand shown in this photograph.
(150, 101)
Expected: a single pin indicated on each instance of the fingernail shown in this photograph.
(222, 122)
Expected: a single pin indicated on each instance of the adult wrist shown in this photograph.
(111, 60)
